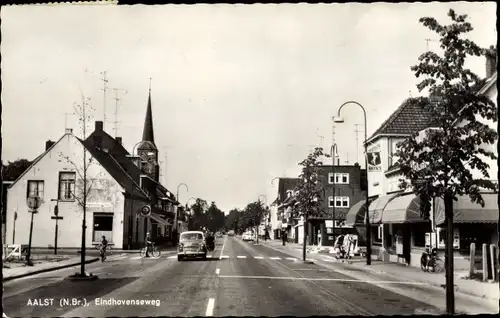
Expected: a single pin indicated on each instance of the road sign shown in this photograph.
(146, 210)
(33, 202)
(56, 210)
(55, 217)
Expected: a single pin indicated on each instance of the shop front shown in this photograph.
(405, 229)
(472, 223)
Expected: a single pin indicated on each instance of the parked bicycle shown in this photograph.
(154, 251)
(429, 260)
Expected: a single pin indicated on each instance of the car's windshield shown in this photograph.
(191, 236)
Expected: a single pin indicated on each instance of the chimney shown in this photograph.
(119, 140)
(491, 61)
(97, 140)
(48, 144)
(98, 125)
(69, 131)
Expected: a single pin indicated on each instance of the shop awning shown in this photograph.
(356, 214)
(465, 211)
(377, 207)
(159, 219)
(403, 209)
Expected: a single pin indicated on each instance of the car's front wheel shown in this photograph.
(180, 258)
(204, 257)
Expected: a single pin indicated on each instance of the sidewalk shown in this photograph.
(470, 287)
(18, 270)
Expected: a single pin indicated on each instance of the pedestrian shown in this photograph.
(149, 244)
(174, 237)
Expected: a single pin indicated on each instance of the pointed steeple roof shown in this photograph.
(148, 133)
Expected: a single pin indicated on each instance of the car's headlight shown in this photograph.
(181, 247)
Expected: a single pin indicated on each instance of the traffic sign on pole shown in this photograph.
(146, 210)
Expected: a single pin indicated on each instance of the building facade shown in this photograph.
(399, 234)
(119, 186)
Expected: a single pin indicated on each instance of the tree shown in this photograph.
(14, 169)
(232, 219)
(438, 163)
(253, 214)
(309, 191)
(84, 182)
(198, 217)
(214, 218)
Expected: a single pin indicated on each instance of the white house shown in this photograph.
(119, 184)
(55, 177)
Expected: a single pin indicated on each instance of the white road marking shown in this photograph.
(241, 256)
(329, 260)
(210, 307)
(222, 249)
(217, 271)
(171, 257)
(291, 258)
(324, 279)
(258, 257)
(274, 258)
(224, 256)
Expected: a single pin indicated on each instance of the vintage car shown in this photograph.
(191, 245)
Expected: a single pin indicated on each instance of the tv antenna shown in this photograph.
(357, 140)
(104, 89)
(66, 119)
(117, 105)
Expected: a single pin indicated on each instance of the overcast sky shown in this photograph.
(239, 92)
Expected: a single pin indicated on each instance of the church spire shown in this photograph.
(147, 134)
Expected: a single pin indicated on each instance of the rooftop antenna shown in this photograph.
(104, 89)
(357, 140)
(117, 99)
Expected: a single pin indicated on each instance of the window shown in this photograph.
(103, 226)
(35, 189)
(340, 178)
(340, 202)
(67, 186)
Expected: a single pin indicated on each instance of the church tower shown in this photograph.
(146, 149)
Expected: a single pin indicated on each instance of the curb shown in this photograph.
(370, 270)
(50, 269)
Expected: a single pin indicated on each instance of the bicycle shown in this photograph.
(155, 252)
(103, 253)
(428, 261)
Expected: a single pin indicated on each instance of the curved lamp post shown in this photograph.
(339, 119)
(177, 209)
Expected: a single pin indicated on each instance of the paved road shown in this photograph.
(241, 279)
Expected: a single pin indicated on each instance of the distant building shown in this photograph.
(120, 185)
(350, 188)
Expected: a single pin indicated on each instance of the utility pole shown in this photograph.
(357, 141)
(117, 99)
(104, 89)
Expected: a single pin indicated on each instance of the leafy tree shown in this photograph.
(439, 162)
(14, 169)
(252, 216)
(214, 218)
(232, 219)
(309, 191)
(198, 217)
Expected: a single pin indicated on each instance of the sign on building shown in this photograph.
(374, 161)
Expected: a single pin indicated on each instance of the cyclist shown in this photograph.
(149, 244)
(104, 246)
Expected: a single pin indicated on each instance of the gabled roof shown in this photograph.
(37, 159)
(409, 118)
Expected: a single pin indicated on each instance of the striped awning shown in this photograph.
(377, 207)
(356, 214)
(403, 209)
(159, 219)
(465, 211)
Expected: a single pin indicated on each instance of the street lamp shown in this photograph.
(334, 154)
(339, 119)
